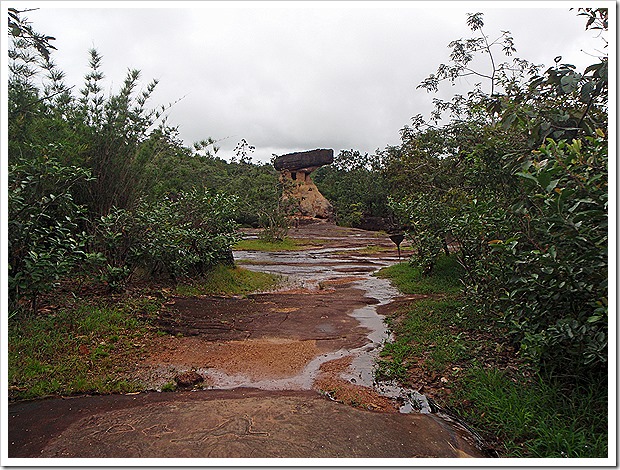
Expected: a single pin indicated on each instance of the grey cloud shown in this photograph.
(290, 78)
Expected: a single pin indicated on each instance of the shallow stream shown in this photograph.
(308, 269)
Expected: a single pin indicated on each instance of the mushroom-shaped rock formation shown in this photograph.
(295, 169)
(308, 160)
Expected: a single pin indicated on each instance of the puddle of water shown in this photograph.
(308, 268)
(363, 366)
(302, 381)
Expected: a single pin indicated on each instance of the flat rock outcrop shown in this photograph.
(298, 161)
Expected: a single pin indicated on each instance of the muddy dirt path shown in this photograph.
(279, 374)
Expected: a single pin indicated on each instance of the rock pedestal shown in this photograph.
(295, 169)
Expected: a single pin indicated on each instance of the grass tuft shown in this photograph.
(410, 280)
(539, 417)
(225, 280)
(75, 350)
(424, 337)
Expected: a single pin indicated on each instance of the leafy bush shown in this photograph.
(527, 216)
(556, 295)
(425, 220)
(115, 248)
(100, 165)
(184, 234)
(188, 233)
(45, 240)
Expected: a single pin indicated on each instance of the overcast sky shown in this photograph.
(290, 76)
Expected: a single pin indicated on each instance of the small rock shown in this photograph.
(189, 378)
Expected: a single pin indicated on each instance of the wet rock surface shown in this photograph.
(281, 374)
(290, 315)
(238, 423)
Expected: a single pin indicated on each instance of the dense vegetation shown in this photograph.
(447, 348)
(512, 184)
(102, 190)
(511, 180)
(517, 181)
(358, 189)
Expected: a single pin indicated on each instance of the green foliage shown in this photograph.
(113, 129)
(463, 52)
(275, 224)
(45, 241)
(169, 387)
(20, 27)
(188, 234)
(423, 329)
(355, 187)
(526, 216)
(537, 416)
(182, 235)
(169, 168)
(425, 227)
(102, 179)
(520, 178)
(114, 248)
(274, 215)
(562, 251)
(259, 192)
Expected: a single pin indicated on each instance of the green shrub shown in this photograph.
(45, 241)
(183, 234)
(187, 233)
(555, 295)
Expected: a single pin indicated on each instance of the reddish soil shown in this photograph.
(343, 391)
(322, 316)
(262, 336)
(268, 358)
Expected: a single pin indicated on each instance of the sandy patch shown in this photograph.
(267, 358)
